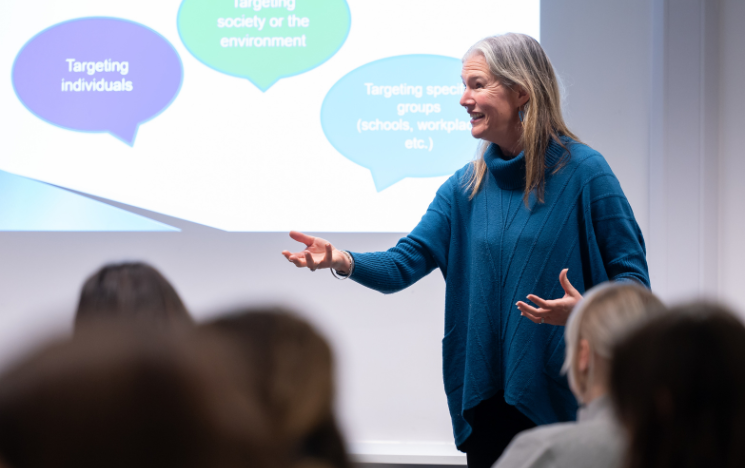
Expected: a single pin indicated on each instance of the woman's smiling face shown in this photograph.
(492, 106)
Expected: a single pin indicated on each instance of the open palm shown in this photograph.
(318, 253)
(554, 311)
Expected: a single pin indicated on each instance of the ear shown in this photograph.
(522, 95)
(583, 356)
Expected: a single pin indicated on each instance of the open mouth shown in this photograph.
(476, 117)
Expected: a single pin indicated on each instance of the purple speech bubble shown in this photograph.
(98, 75)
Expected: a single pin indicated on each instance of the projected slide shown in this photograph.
(241, 115)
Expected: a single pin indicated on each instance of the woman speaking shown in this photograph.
(536, 204)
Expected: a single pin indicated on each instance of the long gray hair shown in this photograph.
(519, 60)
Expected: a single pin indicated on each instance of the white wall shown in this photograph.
(732, 158)
(696, 213)
(683, 241)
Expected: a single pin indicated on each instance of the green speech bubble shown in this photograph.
(263, 40)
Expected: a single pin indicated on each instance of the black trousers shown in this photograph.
(495, 423)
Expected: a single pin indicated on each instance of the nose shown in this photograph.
(466, 99)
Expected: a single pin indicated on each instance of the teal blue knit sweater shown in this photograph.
(493, 251)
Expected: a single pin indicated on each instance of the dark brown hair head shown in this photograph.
(677, 384)
(134, 293)
(293, 369)
(124, 400)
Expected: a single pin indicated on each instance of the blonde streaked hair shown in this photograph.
(606, 314)
(519, 60)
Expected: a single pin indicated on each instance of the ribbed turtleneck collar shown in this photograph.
(510, 173)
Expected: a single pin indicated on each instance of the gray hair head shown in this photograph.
(605, 314)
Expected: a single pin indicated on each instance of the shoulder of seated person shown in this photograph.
(596, 429)
(566, 435)
(547, 433)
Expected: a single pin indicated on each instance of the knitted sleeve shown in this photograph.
(415, 255)
(614, 228)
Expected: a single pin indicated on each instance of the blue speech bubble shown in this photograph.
(98, 75)
(400, 117)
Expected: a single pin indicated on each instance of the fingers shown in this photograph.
(309, 261)
(568, 288)
(532, 318)
(533, 314)
(528, 309)
(305, 258)
(543, 304)
(294, 259)
(304, 238)
(329, 255)
(525, 312)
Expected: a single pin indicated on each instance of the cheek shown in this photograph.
(495, 109)
(502, 108)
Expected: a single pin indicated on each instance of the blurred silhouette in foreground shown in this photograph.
(293, 369)
(132, 293)
(121, 400)
(678, 385)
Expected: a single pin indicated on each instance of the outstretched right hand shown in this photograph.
(318, 253)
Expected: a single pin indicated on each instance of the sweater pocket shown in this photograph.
(453, 362)
(453, 368)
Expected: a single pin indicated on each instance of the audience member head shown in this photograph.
(293, 367)
(598, 321)
(678, 385)
(132, 293)
(122, 400)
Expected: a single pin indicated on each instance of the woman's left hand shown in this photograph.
(552, 312)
